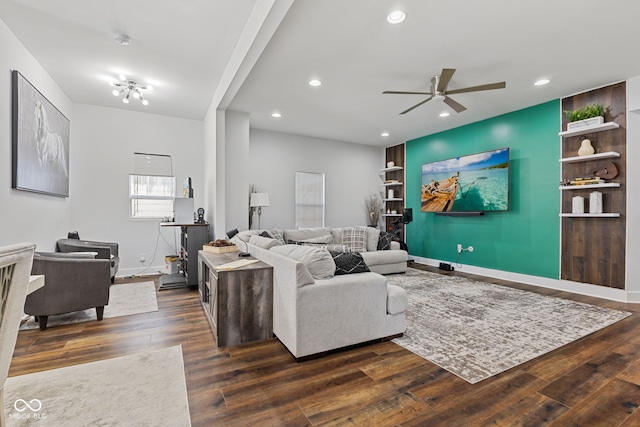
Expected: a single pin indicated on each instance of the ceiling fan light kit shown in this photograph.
(439, 91)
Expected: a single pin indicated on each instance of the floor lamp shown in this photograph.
(259, 200)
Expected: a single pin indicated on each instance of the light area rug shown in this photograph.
(124, 299)
(142, 389)
(476, 330)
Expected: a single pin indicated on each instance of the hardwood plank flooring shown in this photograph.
(594, 381)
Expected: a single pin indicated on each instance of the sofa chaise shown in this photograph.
(315, 310)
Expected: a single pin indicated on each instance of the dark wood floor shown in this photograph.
(591, 382)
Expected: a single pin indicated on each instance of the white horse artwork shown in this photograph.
(49, 144)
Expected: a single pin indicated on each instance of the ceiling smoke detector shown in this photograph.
(121, 39)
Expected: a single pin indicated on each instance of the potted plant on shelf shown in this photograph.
(373, 207)
(589, 115)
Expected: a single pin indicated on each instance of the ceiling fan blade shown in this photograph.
(457, 107)
(445, 78)
(417, 105)
(394, 92)
(490, 86)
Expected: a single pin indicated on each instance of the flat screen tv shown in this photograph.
(474, 183)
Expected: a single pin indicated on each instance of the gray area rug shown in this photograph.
(124, 300)
(143, 389)
(476, 330)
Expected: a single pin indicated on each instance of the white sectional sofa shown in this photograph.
(393, 260)
(312, 315)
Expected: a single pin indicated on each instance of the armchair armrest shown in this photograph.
(105, 250)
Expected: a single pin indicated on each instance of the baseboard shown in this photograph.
(587, 289)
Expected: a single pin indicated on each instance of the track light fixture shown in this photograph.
(129, 88)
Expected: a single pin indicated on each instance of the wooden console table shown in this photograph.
(238, 303)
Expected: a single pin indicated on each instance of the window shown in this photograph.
(309, 200)
(151, 196)
(152, 188)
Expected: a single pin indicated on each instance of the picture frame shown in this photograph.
(40, 141)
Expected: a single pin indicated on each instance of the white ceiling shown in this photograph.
(182, 48)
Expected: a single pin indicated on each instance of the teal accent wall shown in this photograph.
(525, 239)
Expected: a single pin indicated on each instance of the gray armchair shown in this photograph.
(105, 250)
(73, 282)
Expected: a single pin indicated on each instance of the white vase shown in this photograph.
(586, 148)
(577, 205)
(595, 202)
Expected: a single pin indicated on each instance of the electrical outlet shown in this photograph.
(143, 258)
(459, 248)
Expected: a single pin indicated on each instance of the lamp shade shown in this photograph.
(259, 200)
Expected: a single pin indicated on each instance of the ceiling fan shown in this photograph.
(439, 91)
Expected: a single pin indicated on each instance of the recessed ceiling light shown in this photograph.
(384, 134)
(315, 82)
(276, 115)
(396, 17)
(444, 114)
(541, 82)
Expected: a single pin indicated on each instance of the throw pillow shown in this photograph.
(385, 239)
(318, 261)
(266, 234)
(263, 242)
(372, 238)
(276, 234)
(355, 238)
(349, 263)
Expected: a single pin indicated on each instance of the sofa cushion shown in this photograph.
(396, 299)
(318, 261)
(263, 242)
(334, 247)
(307, 234)
(355, 238)
(349, 263)
(373, 235)
(313, 241)
(384, 257)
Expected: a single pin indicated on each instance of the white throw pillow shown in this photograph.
(319, 262)
(263, 242)
(373, 235)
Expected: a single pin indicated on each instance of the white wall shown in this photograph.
(27, 216)
(633, 176)
(351, 172)
(236, 185)
(104, 140)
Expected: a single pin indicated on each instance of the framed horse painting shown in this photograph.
(40, 141)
